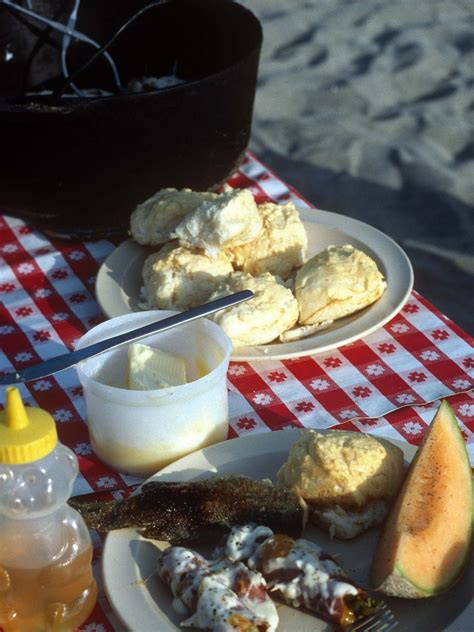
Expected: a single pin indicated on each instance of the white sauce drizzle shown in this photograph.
(209, 588)
(315, 578)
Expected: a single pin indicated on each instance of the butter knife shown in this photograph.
(59, 363)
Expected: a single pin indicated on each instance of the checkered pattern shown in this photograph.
(388, 384)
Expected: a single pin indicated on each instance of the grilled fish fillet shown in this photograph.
(182, 513)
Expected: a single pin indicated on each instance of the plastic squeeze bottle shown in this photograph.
(46, 581)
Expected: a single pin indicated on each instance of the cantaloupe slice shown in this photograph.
(427, 535)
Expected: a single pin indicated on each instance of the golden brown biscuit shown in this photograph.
(281, 246)
(231, 219)
(179, 278)
(260, 319)
(153, 222)
(337, 282)
(347, 478)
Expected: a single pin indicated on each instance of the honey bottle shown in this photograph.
(46, 580)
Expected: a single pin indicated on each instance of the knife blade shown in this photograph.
(65, 361)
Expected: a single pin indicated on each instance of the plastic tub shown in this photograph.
(139, 432)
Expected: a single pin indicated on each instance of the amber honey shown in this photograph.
(54, 598)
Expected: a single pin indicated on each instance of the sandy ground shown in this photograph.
(367, 108)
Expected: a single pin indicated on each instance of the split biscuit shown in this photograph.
(231, 219)
(281, 246)
(337, 282)
(272, 310)
(348, 479)
(153, 222)
(178, 278)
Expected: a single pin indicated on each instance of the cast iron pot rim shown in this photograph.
(68, 105)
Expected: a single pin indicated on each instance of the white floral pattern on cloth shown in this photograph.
(23, 356)
(319, 384)
(62, 415)
(405, 398)
(9, 248)
(262, 399)
(76, 255)
(83, 449)
(399, 328)
(43, 293)
(430, 355)
(60, 316)
(375, 369)
(26, 268)
(237, 369)
(42, 385)
(347, 414)
(412, 428)
(93, 627)
(467, 410)
(106, 482)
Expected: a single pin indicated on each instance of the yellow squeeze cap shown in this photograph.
(26, 434)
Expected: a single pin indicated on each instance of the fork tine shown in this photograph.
(382, 620)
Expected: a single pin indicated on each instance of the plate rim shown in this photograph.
(306, 346)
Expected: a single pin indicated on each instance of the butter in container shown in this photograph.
(138, 431)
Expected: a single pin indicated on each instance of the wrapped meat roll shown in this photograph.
(300, 573)
(223, 596)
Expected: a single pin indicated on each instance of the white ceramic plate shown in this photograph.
(143, 602)
(120, 278)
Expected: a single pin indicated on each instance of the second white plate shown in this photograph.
(143, 602)
(120, 278)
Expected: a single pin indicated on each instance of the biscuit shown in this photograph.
(260, 319)
(281, 246)
(153, 221)
(337, 282)
(342, 467)
(178, 278)
(348, 479)
(231, 219)
(346, 524)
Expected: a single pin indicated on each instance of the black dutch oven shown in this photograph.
(78, 166)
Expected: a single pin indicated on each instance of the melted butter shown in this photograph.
(202, 368)
(143, 462)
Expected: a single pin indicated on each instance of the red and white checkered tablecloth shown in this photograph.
(388, 384)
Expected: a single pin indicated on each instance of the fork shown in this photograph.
(382, 620)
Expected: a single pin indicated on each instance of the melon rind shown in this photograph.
(423, 519)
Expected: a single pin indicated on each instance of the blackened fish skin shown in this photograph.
(197, 511)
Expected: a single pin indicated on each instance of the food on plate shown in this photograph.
(272, 310)
(222, 595)
(231, 219)
(178, 278)
(299, 572)
(209, 238)
(279, 249)
(197, 511)
(428, 535)
(337, 282)
(348, 479)
(153, 221)
(150, 368)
